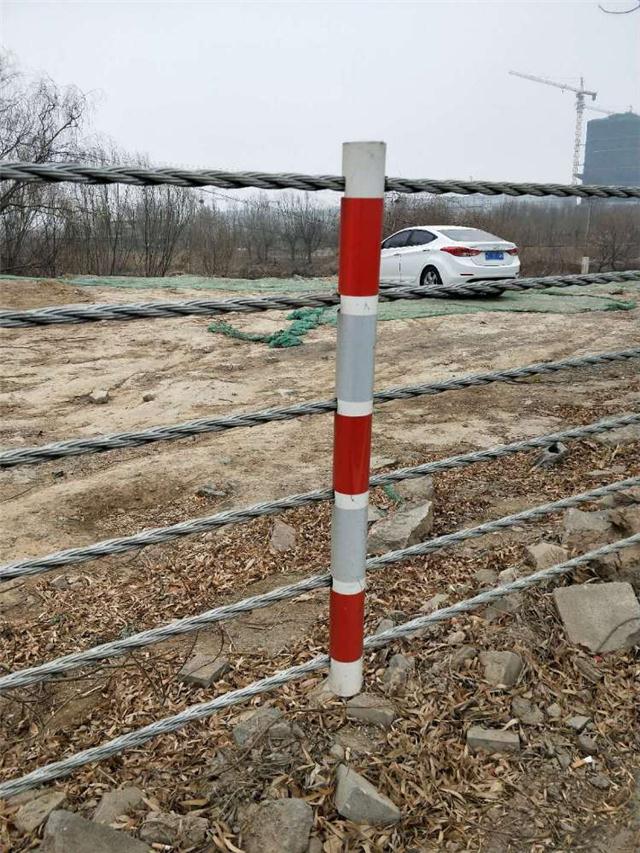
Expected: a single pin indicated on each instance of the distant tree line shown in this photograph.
(59, 229)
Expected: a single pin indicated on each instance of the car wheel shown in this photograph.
(429, 277)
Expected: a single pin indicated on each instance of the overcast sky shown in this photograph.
(278, 86)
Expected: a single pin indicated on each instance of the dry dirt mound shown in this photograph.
(38, 293)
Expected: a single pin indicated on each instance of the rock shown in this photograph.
(486, 577)
(34, 812)
(173, 829)
(527, 712)
(147, 398)
(116, 803)
(278, 826)
(368, 708)
(337, 752)
(543, 555)
(398, 671)
(374, 514)
(626, 498)
(210, 491)
(554, 711)
(587, 744)
(507, 575)
(66, 832)
(455, 638)
(503, 606)
(406, 526)
(315, 846)
(415, 491)
(202, 670)
(359, 741)
(254, 724)
(99, 397)
(60, 583)
(626, 518)
(602, 617)
(283, 536)
(439, 600)
(599, 780)
(384, 625)
(382, 462)
(581, 530)
(588, 670)
(463, 655)
(624, 435)
(492, 740)
(502, 669)
(577, 722)
(13, 595)
(551, 455)
(358, 800)
(321, 695)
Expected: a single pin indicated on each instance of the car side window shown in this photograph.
(421, 238)
(396, 240)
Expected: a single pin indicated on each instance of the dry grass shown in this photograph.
(450, 799)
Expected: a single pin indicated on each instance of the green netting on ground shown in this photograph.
(303, 320)
(565, 300)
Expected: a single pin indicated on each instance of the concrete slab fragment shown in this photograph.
(602, 617)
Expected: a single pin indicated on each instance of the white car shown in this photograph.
(446, 254)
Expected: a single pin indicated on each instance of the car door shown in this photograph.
(415, 256)
(390, 257)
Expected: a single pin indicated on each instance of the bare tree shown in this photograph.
(39, 122)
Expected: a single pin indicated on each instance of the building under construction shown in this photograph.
(612, 152)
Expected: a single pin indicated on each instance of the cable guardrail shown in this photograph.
(163, 309)
(364, 185)
(172, 432)
(162, 535)
(189, 624)
(80, 173)
(137, 738)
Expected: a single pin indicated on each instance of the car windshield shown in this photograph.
(469, 235)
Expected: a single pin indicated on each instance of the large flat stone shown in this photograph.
(116, 803)
(602, 617)
(37, 810)
(368, 708)
(480, 739)
(406, 526)
(502, 669)
(581, 530)
(66, 832)
(358, 800)
(202, 669)
(543, 555)
(415, 491)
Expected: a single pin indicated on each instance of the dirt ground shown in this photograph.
(454, 801)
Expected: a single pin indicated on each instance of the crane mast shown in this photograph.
(580, 94)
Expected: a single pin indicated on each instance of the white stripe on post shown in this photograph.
(360, 234)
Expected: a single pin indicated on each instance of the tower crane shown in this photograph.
(580, 94)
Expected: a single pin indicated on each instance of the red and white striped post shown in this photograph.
(363, 167)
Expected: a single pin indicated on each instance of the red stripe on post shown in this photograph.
(351, 453)
(360, 236)
(346, 616)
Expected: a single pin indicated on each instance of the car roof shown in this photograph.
(437, 228)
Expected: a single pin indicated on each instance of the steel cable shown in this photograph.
(188, 624)
(160, 535)
(96, 312)
(172, 432)
(140, 176)
(138, 737)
